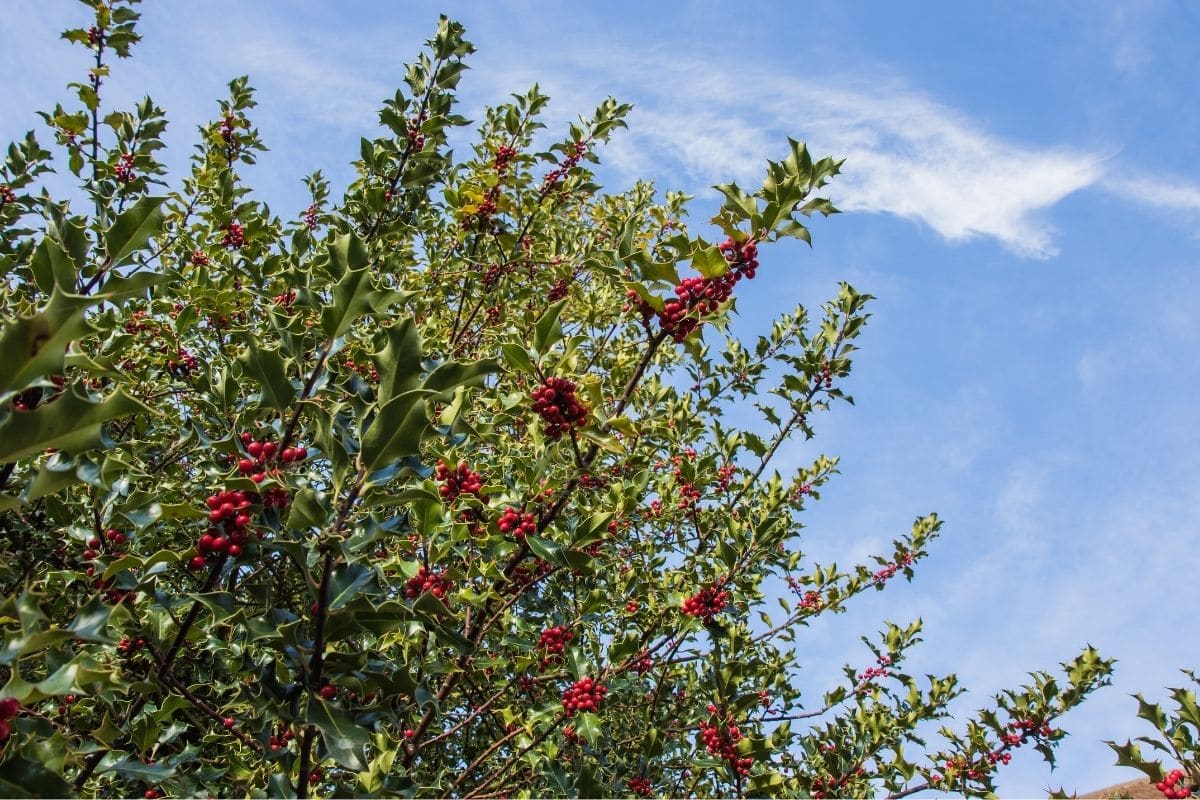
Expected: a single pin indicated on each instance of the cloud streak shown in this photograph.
(906, 153)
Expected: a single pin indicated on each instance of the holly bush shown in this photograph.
(461, 484)
(1178, 738)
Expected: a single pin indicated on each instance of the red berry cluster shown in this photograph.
(553, 641)
(822, 786)
(227, 125)
(960, 765)
(583, 695)
(128, 648)
(364, 370)
(7, 195)
(690, 495)
(138, 322)
(279, 741)
(871, 673)
(517, 524)
(559, 290)
(1168, 786)
(456, 481)
(525, 574)
(262, 452)
(642, 664)
(559, 407)
(229, 513)
(589, 481)
(706, 603)
(824, 377)
(722, 741)
(493, 274)
(235, 237)
(555, 175)
(436, 583)
(115, 539)
(416, 139)
(642, 787)
(285, 299)
(182, 365)
(882, 576)
(94, 35)
(310, 217)
(1029, 727)
(124, 169)
(199, 258)
(485, 209)
(725, 476)
(697, 296)
(9, 708)
(504, 154)
(810, 600)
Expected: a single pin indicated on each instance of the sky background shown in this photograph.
(1021, 195)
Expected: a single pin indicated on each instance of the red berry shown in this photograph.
(228, 722)
(328, 691)
(196, 563)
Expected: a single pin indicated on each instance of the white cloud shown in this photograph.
(1159, 192)
(906, 153)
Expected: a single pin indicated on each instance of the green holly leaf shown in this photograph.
(347, 582)
(132, 229)
(34, 347)
(549, 328)
(453, 374)
(344, 738)
(133, 769)
(20, 777)
(72, 422)
(396, 430)
(587, 725)
(268, 369)
(353, 292)
(399, 362)
(52, 267)
(517, 357)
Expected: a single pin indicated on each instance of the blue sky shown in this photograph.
(1022, 196)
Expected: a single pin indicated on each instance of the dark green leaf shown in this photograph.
(130, 232)
(344, 738)
(20, 777)
(34, 347)
(268, 369)
(396, 430)
(72, 422)
(399, 362)
(549, 328)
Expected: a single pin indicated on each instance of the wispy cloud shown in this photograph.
(906, 153)
(1160, 192)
